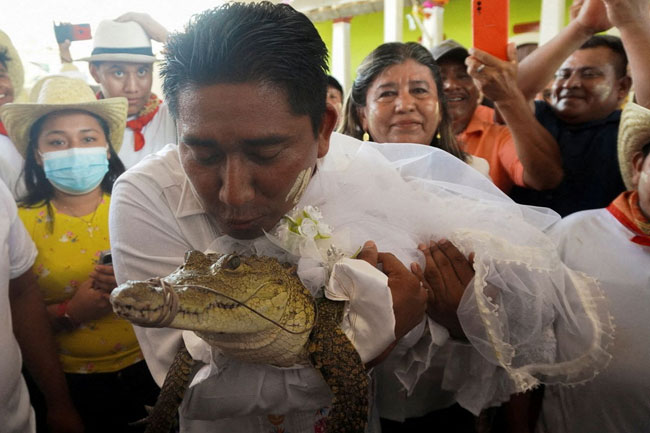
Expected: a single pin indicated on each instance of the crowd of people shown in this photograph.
(495, 246)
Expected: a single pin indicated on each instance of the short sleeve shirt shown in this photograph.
(494, 143)
(592, 178)
(68, 251)
(17, 254)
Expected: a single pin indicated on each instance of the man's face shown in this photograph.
(6, 88)
(130, 80)
(402, 105)
(243, 151)
(641, 178)
(335, 98)
(586, 87)
(461, 92)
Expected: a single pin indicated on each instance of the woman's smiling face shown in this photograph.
(402, 105)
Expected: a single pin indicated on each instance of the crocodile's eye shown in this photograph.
(234, 262)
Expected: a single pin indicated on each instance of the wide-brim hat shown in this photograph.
(449, 48)
(121, 42)
(633, 134)
(14, 65)
(58, 94)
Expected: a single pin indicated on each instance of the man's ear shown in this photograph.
(94, 72)
(327, 125)
(637, 166)
(624, 86)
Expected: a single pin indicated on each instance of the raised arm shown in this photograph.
(632, 18)
(536, 148)
(153, 28)
(536, 70)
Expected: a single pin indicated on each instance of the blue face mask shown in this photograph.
(76, 170)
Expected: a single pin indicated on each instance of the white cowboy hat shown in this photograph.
(14, 65)
(63, 93)
(121, 42)
(633, 134)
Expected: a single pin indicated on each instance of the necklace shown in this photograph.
(88, 220)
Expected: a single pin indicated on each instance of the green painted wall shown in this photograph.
(366, 31)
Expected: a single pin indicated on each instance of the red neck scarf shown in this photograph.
(3, 131)
(144, 116)
(626, 210)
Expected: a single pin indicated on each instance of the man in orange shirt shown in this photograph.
(522, 153)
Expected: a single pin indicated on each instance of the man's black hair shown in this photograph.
(615, 44)
(4, 57)
(250, 42)
(333, 82)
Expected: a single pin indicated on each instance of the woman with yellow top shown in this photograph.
(69, 140)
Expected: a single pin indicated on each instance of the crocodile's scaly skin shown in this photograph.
(254, 309)
(257, 311)
(162, 418)
(335, 357)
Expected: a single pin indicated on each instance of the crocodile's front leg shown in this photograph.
(162, 417)
(335, 357)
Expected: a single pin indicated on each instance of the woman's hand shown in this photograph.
(104, 278)
(88, 303)
(446, 275)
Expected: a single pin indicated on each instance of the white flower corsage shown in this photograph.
(303, 233)
(307, 223)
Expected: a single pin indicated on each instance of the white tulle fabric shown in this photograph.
(528, 318)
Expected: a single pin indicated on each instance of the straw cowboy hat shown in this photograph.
(121, 42)
(633, 134)
(14, 65)
(63, 93)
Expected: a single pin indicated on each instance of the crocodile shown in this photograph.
(254, 309)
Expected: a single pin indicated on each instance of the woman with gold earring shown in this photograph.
(396, 99)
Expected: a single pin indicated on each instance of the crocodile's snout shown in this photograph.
(141, 302)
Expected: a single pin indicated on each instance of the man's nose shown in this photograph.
(572, 80)
(236, 183)
(449, 84)
(131, 83)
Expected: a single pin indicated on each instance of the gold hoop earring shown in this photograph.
(366, 136)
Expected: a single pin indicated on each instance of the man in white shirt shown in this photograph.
(11, 85)
(613, 245)
(256, 144)
(25, 329)
(122, 64)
